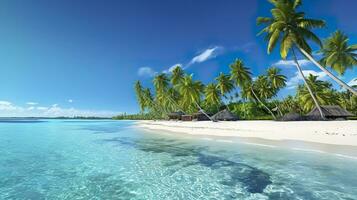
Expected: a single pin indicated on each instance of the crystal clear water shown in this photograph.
(76, 159)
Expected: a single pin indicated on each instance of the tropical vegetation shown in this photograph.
(291, 31)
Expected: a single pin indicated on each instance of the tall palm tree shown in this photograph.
(241, 76)
(262, 90)
(275, 78)
(224, 84)
(190, 92)
(292, 29)
(161, 84)
(322, 91)
(239, 73)
(139, 95)
(212, 96)
(337, 54)
(177, 75)
(277, 81)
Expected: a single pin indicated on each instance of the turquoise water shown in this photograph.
(76, 159)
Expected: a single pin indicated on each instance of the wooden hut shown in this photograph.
(200, 116)
(186, 117)
(292, 116)
(175, 115)
(330, 112)
(225, 115)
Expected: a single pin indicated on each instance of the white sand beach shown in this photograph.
(323, 132)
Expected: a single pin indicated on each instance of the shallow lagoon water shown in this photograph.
(81, 159)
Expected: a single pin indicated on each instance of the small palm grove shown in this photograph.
(288, 29)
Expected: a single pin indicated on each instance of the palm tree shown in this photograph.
(241, 76)
(275, 78)
(337, 54)
(190, 92)
(139, 95)
(322, 91)
(239, 73)
(277, 81)
(292, 30)
(262, 90)
(224, 84)
(212, 96)
(161, 84)
(177, 75)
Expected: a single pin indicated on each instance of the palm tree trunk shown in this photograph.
(204, 112)
(335, 78)
(307, 85)
(272, 114)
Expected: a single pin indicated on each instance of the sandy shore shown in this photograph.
(322, 132)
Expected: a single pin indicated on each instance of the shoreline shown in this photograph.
(336, 137)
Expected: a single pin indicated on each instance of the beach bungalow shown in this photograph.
(200, 116)
(292, 116)
(175, 115)
(186, 117)
(225, 115)
(330, 112)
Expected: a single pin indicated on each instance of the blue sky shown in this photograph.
(82, 57)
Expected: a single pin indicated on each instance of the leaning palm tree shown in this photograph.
(212, 96)
(190, 92)
(322, 91)
(139, 95)
(292, 29)
(262, 90)
(337, 54)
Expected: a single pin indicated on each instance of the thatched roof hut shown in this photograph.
(186, 117)
(292, 116)
(330, 112)
(175, 115)
(225, 115)
(200, 116)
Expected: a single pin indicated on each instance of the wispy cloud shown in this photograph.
(205, 55)
(295, 80)
(31, 103)
(291, 63)
(146, 72)
(201, 57)
(8, 109)
(69, 101)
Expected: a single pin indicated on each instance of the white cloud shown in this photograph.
(291, 63)
(8, 109)
(146, 72)
(295, 80)
(7, 106)
(5, 103)
(69, 101)
(353, 82)
(205, 55)
(31, 103)
(41, 108)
